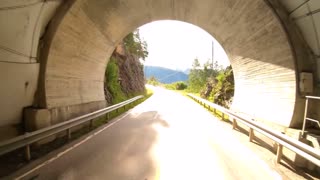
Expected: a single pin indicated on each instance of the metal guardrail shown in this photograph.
(27, 139)
(305, 119)
(294, 145)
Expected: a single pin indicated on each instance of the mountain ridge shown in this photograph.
(165, 75)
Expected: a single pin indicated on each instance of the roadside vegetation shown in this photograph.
(153, 81)
(124, 77)
(212, 82)
(209, 81)
(106, 118)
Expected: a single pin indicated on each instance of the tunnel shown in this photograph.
(266, 50)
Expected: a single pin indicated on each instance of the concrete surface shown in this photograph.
(235, 35)
(22, 25)
(266, 49)
(163, 138)
(261, 52)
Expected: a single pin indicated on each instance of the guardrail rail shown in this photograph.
(305, 119)
(282, 140)
(27, 139)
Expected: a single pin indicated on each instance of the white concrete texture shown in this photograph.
(22, 24)
(251, 33)
(260, 37)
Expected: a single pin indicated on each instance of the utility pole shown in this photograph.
(212, 55)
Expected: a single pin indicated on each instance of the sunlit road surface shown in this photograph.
(168, 137)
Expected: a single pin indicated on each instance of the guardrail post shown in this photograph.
(69, 134)
(305, 117)
(25, 141)
(234, 124)
(91, 123)
(222, 116)
(124, 107)
(251, 134)
(27, 152)
(279, 153)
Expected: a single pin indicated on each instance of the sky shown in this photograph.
(175, 44)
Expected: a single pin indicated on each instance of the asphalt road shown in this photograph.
(168, 137)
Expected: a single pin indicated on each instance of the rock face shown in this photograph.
(131, 76)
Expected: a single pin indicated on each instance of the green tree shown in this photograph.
(195, 80)
(199, 76)
(135, 45)
(223, 90)
(116, 89)
(212, 82)
(153, 81)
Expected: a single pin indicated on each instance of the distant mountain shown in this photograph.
(187, 71)
(164, 75)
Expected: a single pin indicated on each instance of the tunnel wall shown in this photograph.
(251, 32)
(22, 24)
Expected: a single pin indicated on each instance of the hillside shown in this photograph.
(164, 75)
(124, 76)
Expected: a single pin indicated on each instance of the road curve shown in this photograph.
(168, 137)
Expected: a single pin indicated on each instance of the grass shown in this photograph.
(106, 118)
(216, 113)
(109, 116)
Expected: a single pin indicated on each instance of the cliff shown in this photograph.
(124, 76)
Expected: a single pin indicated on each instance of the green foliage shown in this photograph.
(105, 119)
(113, 83)
(153, 81)
(180, 85)
(135, 49)
(176, 86)
(198, 75)
(223, 90)
(195, 79)
(212, 82)
(135, 46)
(170, 86)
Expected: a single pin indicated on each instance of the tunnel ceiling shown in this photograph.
(304, 12)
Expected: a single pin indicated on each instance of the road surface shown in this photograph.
(168, 137)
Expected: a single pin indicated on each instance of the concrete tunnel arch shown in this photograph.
(264, 55)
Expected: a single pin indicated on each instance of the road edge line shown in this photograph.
(55, 154)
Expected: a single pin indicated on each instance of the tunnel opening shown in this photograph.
(83, 35)
(259, 52)
(56, 56)
(184, 56)
(173, 54)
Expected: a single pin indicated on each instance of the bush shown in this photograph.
(112, 82)
(176, 86)
(153, 81)
(180, 86)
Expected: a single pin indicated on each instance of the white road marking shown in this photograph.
(71, 148)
